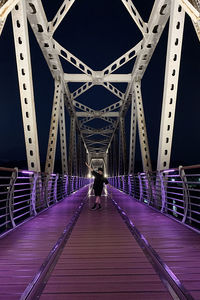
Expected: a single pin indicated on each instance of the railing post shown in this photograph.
(129, 185)
(141, 188)
(47, 183)
(123, 184)
(149, 187)
(34, 179)
(163, 192)
(10, 195)
(55, 188)
(66, 185)
(185, 191)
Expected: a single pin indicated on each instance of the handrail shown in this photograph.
(159, 190)
(22, 197)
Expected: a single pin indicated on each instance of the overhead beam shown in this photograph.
(104, 78)
(97, 114)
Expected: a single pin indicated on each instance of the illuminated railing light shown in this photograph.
(27, 172)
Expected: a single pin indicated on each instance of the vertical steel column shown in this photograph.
(132, 135)
(115, 155)
(144, 146)
(72, 148)
(22, 49)
(106, 160)
(51, 151)
(176, 26)
(84, 159)
(110, 171)
(79, 155)
(122, 148)
(63, 139)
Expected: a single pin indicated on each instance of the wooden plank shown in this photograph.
(177, 245)
(107, 296)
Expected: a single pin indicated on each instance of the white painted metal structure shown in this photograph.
(81, 135)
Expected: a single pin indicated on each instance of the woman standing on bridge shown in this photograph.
(98, 186)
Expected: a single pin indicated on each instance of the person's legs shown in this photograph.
(94, 207)
(98, 200)
(97, 204)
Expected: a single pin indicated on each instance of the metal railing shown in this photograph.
(23, 194)
(175, 192)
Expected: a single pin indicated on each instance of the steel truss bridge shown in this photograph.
(164, 200)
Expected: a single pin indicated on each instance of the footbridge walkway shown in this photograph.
(127, 250)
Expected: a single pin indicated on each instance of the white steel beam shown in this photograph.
(176, 26)
(62, 129)
(39, 24)
(122, 148)
(113, 90)
(112, 107)
(85, 120)
(21, 39)
(72, 162)
(63, 10)
(136, 16)
(133, 126)
(5, 9)
(197, 28)
(53, 132)
(144, 146)
(87, 78)
(72, 59)
(156, 24)
(97, 114)
(190, 10)
(109, 120)
(118, 63)
(85, 87)
(82, 107)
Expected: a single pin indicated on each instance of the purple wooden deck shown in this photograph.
(23, 251)
(177, 245)
(102, 260)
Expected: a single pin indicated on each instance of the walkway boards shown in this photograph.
(23, 251)
(102, 260)
(177, 245)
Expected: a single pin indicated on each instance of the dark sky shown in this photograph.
(98, 32)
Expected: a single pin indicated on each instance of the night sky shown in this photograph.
(98, 32)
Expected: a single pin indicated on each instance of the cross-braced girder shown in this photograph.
(111, 139)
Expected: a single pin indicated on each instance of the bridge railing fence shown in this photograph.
(175, 192)
(24, 194)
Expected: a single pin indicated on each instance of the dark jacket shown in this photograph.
(99, 181)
